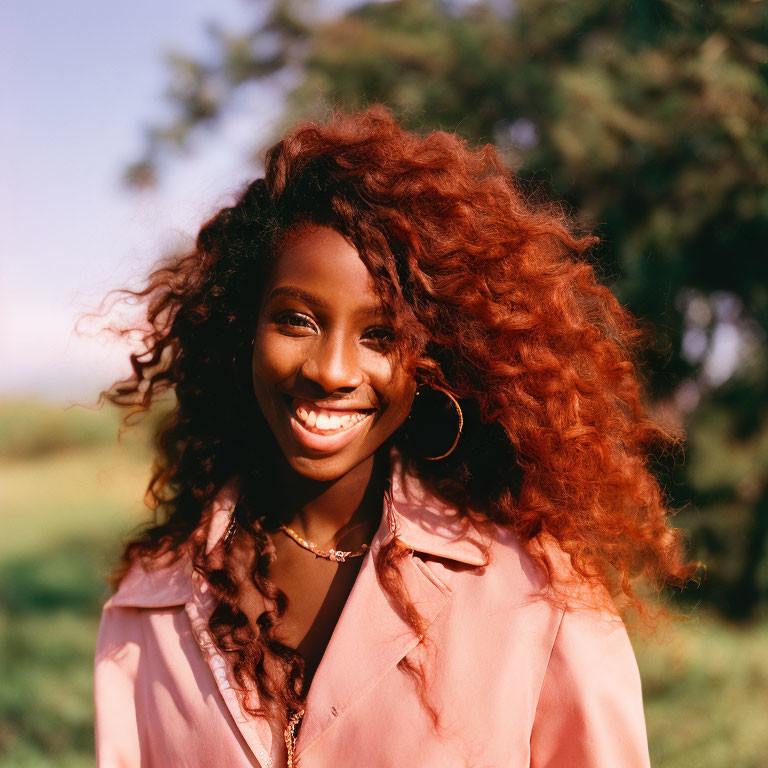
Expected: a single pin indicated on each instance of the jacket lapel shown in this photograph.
(371, 637)
(176, 583)
(256, 731)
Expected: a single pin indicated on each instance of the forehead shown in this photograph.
(322, 262)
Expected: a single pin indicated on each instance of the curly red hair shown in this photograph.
(491, 298)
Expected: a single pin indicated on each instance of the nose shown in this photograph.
(334, 363)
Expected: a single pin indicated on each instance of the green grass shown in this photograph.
(63, 509)
(63, 513)
(706, 695)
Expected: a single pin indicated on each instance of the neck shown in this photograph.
(342, 513)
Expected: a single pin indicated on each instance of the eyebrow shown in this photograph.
(295, 292)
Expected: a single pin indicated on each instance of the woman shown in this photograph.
(404, 488)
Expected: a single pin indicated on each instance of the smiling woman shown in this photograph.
(404, 494)
(322, 378)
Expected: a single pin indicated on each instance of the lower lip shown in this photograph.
(330, 442)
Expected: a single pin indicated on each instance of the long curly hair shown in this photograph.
(491, 298)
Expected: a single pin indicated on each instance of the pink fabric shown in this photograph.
(518, 680)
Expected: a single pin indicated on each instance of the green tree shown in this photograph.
(649, 118)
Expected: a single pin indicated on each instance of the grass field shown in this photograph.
(63, 510)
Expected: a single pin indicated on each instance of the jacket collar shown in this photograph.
(168, 582)
(419, 519)
(427, 524)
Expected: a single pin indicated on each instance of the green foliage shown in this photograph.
(649, 119)
(32, 428)
(63, 513)
(46, 661)
(702, 686)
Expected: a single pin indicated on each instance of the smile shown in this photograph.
(325, 430)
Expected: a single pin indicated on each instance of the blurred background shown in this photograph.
(126, 125)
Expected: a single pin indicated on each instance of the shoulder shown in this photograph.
(168, 580)
(550, 573)
(540, 570)
(590, 706)
(475, 546)
(155, 583)
(554, 617)
(146, 588)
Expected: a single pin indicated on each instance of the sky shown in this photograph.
(81, 81)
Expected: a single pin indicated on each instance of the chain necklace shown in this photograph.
(290, 735)
(329, 554)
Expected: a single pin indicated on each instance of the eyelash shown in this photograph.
(285, 320)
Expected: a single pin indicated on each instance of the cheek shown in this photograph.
(273, 358)
(399, 390)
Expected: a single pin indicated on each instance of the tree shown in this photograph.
(650, 118)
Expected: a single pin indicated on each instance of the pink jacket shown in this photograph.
(518, 681)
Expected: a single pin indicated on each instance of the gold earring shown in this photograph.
(461, 426)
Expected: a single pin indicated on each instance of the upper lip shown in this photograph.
(336, 405)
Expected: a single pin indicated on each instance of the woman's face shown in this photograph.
(322, 371)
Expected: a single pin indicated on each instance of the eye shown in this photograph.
(382, 336)
(295, 320)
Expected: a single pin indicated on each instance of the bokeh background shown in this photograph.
(126, 125)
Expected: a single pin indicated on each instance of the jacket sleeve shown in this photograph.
(590, 709)
(118, 650)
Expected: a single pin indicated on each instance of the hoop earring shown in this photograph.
(461, 426)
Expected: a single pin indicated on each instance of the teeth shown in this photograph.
(326, 420)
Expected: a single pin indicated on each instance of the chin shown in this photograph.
(324, 468)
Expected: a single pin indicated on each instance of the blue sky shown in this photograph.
(80, 81)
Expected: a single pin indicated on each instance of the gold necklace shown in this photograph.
(329, 554)
(289, 736)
